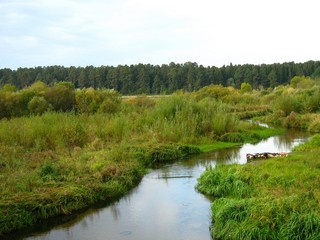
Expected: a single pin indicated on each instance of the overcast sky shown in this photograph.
(112, 32)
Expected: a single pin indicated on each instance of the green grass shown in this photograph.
(216, 146)
(251, 135)
(63, 184)
(55, 163)
(276, 199)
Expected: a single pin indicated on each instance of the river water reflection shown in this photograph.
(165, 205)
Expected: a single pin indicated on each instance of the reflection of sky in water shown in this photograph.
(165, 205)
(158, 209)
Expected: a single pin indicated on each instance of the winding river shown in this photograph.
(165, 205)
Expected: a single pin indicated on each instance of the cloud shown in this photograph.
(211, 32)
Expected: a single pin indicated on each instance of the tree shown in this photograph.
(73, 76)
(246, 87)
(68, 85)
(143, 80)
(157, 85)
(38, 105)
(172, 77)
(238, 76)
(111, 102)
(39, 86)
(272, 77)
(8, 88)
(126, 79)
(140, 78)
(113, 79)
(61, 97)
(230, 82)
(82, 80)
(316, 73)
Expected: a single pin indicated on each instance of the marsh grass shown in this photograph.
(55, 163)
(276, 199)
(60, 162)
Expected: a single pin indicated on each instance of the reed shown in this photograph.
(56, 162)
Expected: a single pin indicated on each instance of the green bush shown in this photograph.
(224, 123)
(287, 104)
(38, 105)
(232, 137)
(169, 152)
(61, 97)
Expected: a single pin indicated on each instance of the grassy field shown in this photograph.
(63, 149)
(58, 162)
(275, 199)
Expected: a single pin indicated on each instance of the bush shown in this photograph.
(61, 97)
(224, 123)
(141, 101)
(314, 125)
(293, 120)
(38, 105)
(164, 153)
(92, 101)
(246, 87)
(232, 137)
(312, 103)
(287, 104)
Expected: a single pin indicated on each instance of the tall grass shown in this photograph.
(57, 162)
(276, 199)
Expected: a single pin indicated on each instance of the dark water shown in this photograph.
(165, 205)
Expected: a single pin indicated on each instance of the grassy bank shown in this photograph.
(64, 184)
(275, 199)
(252, 135)
(54, 163)
(38, 183)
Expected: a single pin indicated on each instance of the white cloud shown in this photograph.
(69, 32)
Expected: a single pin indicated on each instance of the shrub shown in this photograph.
(246, 87)
(164, 153)
(287, 104)
(293, 120)
(232, 137)
(224, 123)
(38, 105)
(315, 125)
(61, 97)
(141, 101)
(8, 88)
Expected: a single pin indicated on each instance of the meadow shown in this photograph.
(276, 198)
(63, 149)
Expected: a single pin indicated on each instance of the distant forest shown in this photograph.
(164, 79)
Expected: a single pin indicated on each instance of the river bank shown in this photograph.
(164, 204)
(275, 199)
(107, 180)
(108, 183)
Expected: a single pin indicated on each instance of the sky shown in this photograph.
(118, 32)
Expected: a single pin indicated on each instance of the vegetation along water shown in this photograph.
(165, 204)
(63, 149)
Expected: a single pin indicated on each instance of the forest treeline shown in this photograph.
(164, 79)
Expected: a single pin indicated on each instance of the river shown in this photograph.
(165, 205)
